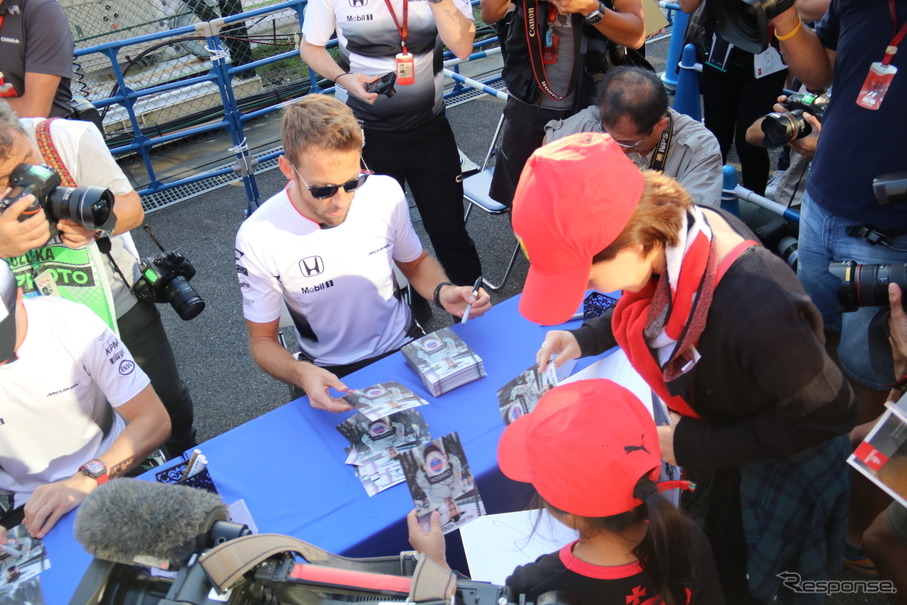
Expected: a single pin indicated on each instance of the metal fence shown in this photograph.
(163, 71)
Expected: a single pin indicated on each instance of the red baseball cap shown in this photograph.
(583, 448)
(574, 197)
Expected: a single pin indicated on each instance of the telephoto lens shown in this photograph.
(867, 285)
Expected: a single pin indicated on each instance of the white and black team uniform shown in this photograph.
(52, 421)
(338, 283)
(369, 42)
(407, 136)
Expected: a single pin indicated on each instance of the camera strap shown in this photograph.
(534, 18)
(664, 145)
(228, 562)
(50, 154)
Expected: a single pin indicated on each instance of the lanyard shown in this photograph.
(898, 36)
(403, 31)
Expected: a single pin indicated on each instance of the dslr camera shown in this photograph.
(867, 285)
(165, 278)
(781, 127)
(91, 207)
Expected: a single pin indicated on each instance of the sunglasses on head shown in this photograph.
(323, 192)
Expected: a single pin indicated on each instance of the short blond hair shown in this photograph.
(318, 121)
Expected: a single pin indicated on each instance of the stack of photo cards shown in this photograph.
(443, 361)
(376, 444)
(439, 479)
(383, 399)
(522, 394)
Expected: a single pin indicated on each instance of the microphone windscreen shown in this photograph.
(132, 522)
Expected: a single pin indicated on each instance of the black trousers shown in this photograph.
(733, 100)
(426, 159)
(522, 133)
(143, 334)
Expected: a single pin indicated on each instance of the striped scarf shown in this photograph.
(659, 326)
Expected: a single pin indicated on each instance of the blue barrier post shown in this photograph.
(678, 29)
(729, 200)
(686, 99)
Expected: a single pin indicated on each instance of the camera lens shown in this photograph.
(867, 285)
(780, 128)
(183, 298)
(787, 250)
(91, 207)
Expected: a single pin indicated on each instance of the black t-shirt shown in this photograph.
(601, 585)
(35, 38)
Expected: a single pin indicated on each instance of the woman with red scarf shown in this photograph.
(722, 331)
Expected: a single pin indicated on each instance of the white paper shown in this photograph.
(238, 512)
(496, 544)
(617, 367)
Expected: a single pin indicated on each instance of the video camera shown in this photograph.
(745, 23)
(780, 128)
(91, 207)
(280, 579)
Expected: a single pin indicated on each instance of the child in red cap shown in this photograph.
(590, 449)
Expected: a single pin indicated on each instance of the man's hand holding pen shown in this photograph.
(470, 301)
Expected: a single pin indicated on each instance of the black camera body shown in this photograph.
(867, 285)
(384, 85)
(91, 207)
(780, 128)
(165, 278)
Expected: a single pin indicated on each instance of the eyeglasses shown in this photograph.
(624, 144)
(323, 192)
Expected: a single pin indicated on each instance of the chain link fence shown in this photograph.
(160, 62)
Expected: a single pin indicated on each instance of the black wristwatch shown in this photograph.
(95, 469)
(596, 16)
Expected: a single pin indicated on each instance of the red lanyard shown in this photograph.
(403, 30)
(898, 36)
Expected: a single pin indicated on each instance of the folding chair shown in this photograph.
(475, 191)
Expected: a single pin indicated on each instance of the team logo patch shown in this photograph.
(311, 266)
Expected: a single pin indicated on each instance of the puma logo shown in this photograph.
(634, 448)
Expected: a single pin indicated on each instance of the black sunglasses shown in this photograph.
(323, 192)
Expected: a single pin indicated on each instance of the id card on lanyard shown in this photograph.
(406, 72)
(881, 73)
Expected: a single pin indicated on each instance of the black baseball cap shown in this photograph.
(8, 291)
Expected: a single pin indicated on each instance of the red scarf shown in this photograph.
(658, 327)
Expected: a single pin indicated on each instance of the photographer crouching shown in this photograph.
(75, 263)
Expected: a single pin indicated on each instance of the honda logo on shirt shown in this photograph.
(311, 265)
(358, 3)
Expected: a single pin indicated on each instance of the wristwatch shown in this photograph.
(596, 16)
(95, 469)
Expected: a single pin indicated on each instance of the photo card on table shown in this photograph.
(383, 399)
(439, 479)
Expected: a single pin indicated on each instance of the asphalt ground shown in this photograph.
(212, 350)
